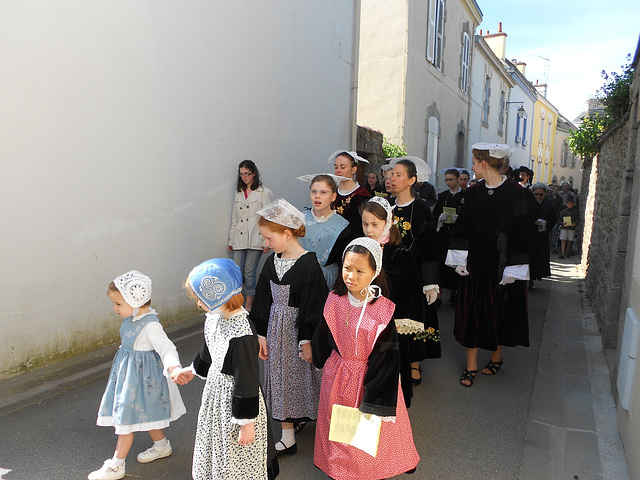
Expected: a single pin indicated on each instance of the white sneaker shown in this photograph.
(154, 453)
(109, 471)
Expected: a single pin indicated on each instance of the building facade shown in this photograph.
(414, 76)
(567, 167)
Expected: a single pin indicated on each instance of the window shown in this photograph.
(432, 143)
(517, 129)
(524, 131)
(465, 61)
(501, 115)
(460, 150)
(485, 104)
(435, 33)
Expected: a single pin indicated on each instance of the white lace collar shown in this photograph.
(322, 219)
(138, 317)
(355, 302)
(405, 204)
(344, 194)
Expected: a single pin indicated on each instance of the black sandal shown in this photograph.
(493, 367)
(298, 426)
(416, 381)
(469, 376)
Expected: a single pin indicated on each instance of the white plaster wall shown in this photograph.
(122, 125)
(382, 67)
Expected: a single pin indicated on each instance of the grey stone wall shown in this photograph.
(369, 146)
(610, 227)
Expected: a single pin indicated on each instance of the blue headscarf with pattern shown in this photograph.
(215, 281)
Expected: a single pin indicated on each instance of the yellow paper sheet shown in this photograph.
(349, 425)
(567, 221)
(450, 211)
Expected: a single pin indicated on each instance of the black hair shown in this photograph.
(251, 166)
(340, 288)
(453, 171)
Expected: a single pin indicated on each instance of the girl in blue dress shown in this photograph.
(138, 397)
(327, 233)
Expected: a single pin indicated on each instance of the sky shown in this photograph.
(580, 38)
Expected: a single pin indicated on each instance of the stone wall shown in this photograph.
(369, 146)
(609, 203)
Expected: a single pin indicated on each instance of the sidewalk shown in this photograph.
(572, 429)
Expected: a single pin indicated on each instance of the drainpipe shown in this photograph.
(354, 73)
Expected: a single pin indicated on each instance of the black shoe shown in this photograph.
(298, 426)
(416, 381)
(288, 450)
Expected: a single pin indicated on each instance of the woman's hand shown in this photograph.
(247, 434)
(431, 295)
(264, 352)
(230, 248)
(306, 354)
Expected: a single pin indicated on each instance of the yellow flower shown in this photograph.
(430, 330)
(406, 225)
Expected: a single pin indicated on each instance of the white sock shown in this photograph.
(161, 443)
(288, 437)
(118, 462)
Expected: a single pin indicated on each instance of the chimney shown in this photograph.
(497, 42)
(499, 27)
(480, 32)
(521, 67)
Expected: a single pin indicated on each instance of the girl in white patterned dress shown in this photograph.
(232, 433)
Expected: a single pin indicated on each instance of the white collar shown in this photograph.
(457, 191)
(349, 192)
(138, 317)
(495, 186)
(406, 204)
(322, 219)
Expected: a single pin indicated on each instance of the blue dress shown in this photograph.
(138, 397)
(321, 238)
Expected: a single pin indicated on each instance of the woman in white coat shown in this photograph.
(245, 240)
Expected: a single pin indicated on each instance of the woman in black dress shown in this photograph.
(490, 250)
(412, 216)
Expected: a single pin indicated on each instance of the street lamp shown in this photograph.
(521, 110)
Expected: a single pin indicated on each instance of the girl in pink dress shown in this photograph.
(357, 344)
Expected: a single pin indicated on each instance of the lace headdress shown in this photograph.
(135, 288)
(384, 203)
(215, 281)
(283, 213)
(353, 155)
(496, 150)
(374, 248)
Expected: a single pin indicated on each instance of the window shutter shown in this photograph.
(466, 47)
(431, 30)
(439, 35)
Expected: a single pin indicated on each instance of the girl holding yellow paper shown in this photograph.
(357, 345)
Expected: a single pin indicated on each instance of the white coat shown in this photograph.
(244, 233)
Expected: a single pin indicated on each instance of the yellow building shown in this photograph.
(543, 139)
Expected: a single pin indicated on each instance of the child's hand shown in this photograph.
(264, 352)
(182, 376)
(247, 434)
(306, 354)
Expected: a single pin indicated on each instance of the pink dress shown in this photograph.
(365, 374)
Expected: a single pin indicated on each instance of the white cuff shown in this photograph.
(303, 342)
(426, 288)
(519, 272)
(242, 421)
(456, 257)
(389, 419)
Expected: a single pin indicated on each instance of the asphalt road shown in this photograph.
(460, 433)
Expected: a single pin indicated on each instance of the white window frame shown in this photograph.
(464, 62)
(486, 95)
(503, 96)
(435, 33)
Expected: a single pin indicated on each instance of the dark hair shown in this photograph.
(340, 287)
(353, 160)
(570, 198)
(251, 166)
(328, 179)
(374, 208)
(453, 171)
(467, 172)
(412, 172)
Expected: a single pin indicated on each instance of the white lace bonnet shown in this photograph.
(283, 213)
(357, 158)
(134, 287)
(384, 203)
(373, 247)
(496, 150)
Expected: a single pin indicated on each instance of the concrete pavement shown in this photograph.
(548, 414)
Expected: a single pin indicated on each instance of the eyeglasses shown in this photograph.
(245, 174)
